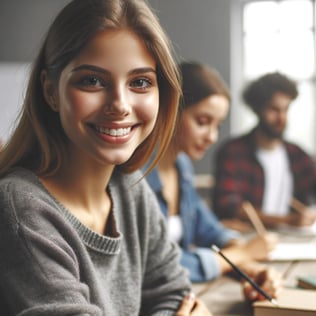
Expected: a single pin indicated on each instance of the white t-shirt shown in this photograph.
(175, 229)
(278, 186)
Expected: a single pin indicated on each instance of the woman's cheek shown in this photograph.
(87, 102)
(147, 107)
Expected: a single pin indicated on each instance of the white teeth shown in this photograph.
(113, 131)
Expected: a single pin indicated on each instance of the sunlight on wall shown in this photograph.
(280, 36)
(13, 77)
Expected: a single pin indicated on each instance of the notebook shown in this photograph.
(293, 251)
(307, 282)
(291, 302)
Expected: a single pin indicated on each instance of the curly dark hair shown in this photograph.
(259, 92)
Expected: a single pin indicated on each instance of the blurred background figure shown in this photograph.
(261, 167)
(190, 222)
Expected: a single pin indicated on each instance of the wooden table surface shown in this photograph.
(224, 297)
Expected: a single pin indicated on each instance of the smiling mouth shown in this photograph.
(115, 132)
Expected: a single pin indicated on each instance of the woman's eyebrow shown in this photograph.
(142, 70)
(104, 71)
(90, 67)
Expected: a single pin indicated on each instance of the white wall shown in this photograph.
(201, 31)
(13, 78)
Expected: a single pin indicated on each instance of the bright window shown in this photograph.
(280, 36)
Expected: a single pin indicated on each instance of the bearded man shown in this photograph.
(261, 167)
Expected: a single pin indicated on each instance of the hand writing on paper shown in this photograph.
(267, 278)
(192, 306)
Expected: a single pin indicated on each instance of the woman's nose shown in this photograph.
(212, 135)
(118, 103)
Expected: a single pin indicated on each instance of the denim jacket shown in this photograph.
(201, 228)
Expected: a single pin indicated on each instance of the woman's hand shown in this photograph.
(237, 224)
(260, 247)
(267, 278)
(191, 306)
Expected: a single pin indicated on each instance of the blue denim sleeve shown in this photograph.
(201, 264)
(209, 230)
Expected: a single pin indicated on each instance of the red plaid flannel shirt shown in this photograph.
(239, 175)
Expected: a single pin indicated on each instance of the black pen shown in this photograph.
(245, 276)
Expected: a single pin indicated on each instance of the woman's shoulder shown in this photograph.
(127, 180)
(19, 180)
(25, 202)
(21, 191)
(185, 167)
(129, 186)
(184, 160)
(132, 188)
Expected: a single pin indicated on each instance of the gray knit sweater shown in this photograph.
(51, 264)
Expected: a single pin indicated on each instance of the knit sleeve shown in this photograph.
(39, 273)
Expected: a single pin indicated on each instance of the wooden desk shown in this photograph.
(224, 296)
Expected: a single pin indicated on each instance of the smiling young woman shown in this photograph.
(81, 233)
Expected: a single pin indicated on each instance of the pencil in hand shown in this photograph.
(298, 206)
(254, 218)
(245, 276)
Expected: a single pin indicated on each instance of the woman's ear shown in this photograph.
(49, 91)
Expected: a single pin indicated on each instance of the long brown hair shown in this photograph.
(38, 141)
(200, 81)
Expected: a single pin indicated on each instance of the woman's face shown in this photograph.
(199, 125)
(108, 97)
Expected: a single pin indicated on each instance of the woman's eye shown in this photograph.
(142, 83)
(202, 121)
(91, 81)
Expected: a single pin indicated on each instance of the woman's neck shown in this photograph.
(82, 189)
